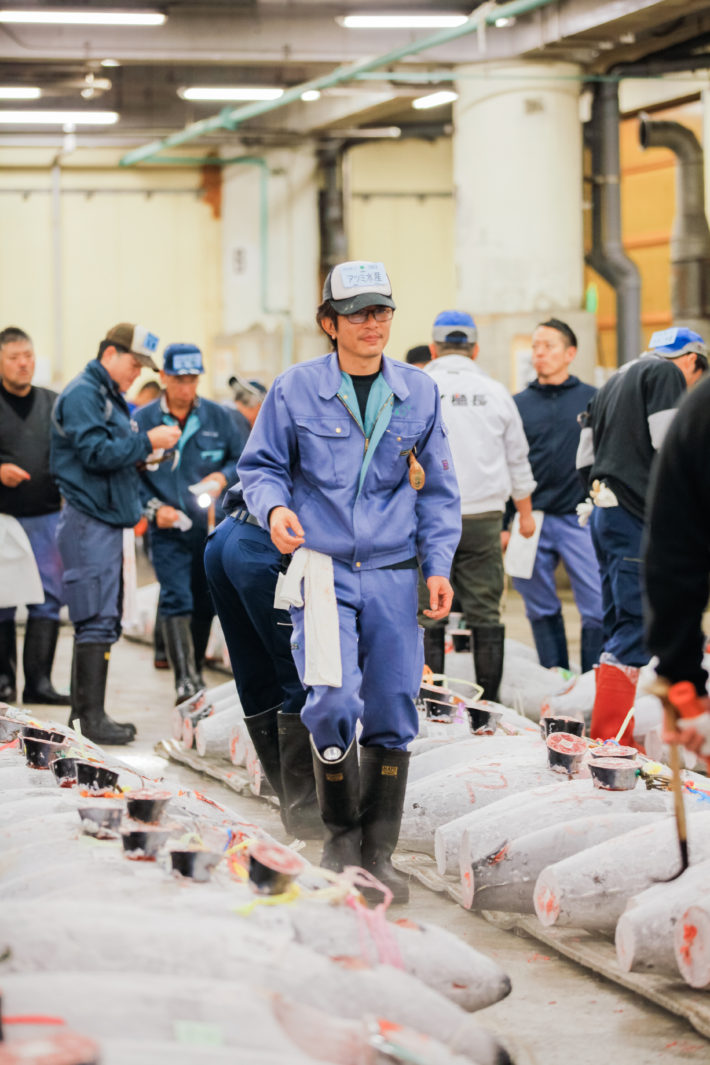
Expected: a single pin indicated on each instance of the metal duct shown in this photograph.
(607, 255)
(690, 237)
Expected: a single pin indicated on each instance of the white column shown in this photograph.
(518, 181)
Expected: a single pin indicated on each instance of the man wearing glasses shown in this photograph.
(95, 448)
(349, 459)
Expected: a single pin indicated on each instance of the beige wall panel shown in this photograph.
(26, 271)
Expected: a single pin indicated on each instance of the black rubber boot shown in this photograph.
(338, 790)
(383, 782)
(181, 655)
(88, 692)
(201, 626)
(264, 733)
(300, 805)
(591, 646)
(551, 641)
(160, 655)
(434, 649)
(488, 651)
(37, 660)
(8, 662)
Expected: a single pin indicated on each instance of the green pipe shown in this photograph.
(231, 118)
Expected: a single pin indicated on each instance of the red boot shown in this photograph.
(615, 694)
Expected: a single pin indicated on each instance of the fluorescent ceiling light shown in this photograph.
(434, 99)
(226, 92)
(84, 18)
(58, 118)
(110, 63)
(310, 94)
(402, 22)
(14, 92)
(502, 22)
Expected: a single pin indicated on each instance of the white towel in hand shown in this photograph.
(320, 620)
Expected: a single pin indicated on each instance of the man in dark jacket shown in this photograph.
(549, 407)
(95, 449)
(208, 452)
(624, 427)
(29, 494)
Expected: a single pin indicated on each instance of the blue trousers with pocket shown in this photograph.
(92, 554)
(563, 538)
(617, 541)
(382, 655)
(242, 566)
(41, 531)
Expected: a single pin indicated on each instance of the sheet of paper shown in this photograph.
(519, 558)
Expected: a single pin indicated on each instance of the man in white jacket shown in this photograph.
(490, 453)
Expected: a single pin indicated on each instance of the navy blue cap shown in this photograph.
(454, 327)
(180, 359)
(672, 343)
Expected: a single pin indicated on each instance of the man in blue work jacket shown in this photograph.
(207, 452)
(95, 447)
(349, 457)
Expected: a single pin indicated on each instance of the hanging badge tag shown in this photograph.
(417, 476)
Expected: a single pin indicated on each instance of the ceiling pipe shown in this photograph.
(690, 238)
(231, 118)
(607, 255)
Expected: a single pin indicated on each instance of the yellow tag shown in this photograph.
(416, 473)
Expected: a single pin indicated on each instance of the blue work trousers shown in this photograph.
(617, 541)
(42, 533)
(563, 538)
(382, 655)
(92, 554)
(178, 559)
(242, 566)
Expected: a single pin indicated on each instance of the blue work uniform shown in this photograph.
(95, 446)
(347, 480)
(208, 444)
(242, 567)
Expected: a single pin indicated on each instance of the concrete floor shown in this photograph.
(557, 1011)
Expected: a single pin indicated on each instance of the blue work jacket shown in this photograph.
(308, 451)
(209, 444)
(95, 446)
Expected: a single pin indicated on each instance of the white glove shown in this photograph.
(207, 486)
(584, 511)
(153, 460)
(182, 522)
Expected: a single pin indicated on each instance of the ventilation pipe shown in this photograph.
(607, 255)
(334, 245)
(690, 238)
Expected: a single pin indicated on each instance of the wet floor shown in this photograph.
(558, 1013)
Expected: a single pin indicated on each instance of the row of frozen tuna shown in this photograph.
(521, 839)
(158, 969)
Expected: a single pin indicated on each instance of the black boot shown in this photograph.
(299, 803)
(201, 626)
(160, 655)
(591, 647)
(338, 790)
(8, 662)
(434, 649)
(88, 691)
(551, 641)
(383, 782)
(181, 655)
(37, 660)
(264, 733)
(488, 651)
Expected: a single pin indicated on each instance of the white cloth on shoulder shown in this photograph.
(314, 571)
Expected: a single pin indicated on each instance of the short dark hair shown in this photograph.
(326, 310)
(418, 354)
(11, 334)
(110, 344)
(150, 386)
(561, 327)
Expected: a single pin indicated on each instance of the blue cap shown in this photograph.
(179, 359)
(672, 343)
(454, 327)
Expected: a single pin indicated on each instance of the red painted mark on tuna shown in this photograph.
(539, 957)
(493, 859)
(12, 743)
(690, 933)
(496, 781)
